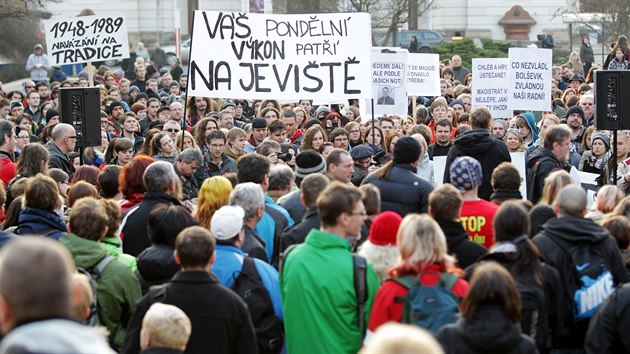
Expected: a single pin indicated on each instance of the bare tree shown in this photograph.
(389, 14)
(22, 8)
(613, 14)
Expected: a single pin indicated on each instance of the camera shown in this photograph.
(286, 157)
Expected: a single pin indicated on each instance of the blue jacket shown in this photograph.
(34, 221)
(229, 261)
(275, 219)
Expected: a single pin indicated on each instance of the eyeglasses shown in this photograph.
(587, 104)
(172, 130)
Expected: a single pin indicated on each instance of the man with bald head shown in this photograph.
(459, 71)
(588, 259)
(64, 138)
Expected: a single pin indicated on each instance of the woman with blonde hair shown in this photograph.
(553, 184)
(575, 64)
(235, 143)
(214, 193)
(354, 133)
(608, 197)
(423, 260)
(514, 141)
(189, 141)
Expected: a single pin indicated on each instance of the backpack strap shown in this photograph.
(283, 257)
(360, 287)
(249, 267)
(97, 270)
(447, 281)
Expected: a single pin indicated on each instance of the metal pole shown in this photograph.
(615, 158)
(373, 127)
(192, 26)
(157, 21)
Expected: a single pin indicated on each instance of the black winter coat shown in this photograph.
(607, 332)
(540, 164)
(466, 251)
(480, 145)
(403, 192)
(135, 232)
(220, 319)
(59, 160)
(489, 332)
(574, 230)
(297, 233)
(156, 266)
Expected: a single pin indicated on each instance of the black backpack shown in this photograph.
(589, 283)
(269, 328)
(534, 313)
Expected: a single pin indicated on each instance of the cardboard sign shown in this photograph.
(248, 55)
(491, 85)
(423, 74)
(87, 38)
(530, 79)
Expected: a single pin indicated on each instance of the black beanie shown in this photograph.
(308, 162)
(575, 109)
(114, 105)
(538, 216)
(51, 113)
(407, 150)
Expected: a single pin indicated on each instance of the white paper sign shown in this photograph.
(389, 70)
(423, 74)
(87, 38)
(588, 182)
(250, 55)
(518, 160)
(491, 85)
(530, 79)
(439, 167)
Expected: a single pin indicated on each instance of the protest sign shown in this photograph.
(518, 160)
(263, 56)
(588, 182)
(530, 79)
(423, 74)
(389, 70)
(85, 39)
(491, 85)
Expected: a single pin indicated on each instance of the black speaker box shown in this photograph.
(81, 108)
(612, 99)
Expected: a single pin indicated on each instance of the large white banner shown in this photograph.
(491, 85)
(423, 74)
(530, 79)
(85, 39)
(249, 55)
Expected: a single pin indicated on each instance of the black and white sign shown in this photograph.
(250, 55)
(87, 38)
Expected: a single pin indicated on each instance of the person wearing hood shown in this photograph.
(491, 312)
(480, 145)
(37, 63)
(568, 231)
(445, 204)
(526, 125)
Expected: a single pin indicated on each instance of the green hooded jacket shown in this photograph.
(319, 300)
(113, 245)
(118, 288)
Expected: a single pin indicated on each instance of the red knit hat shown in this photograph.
(384, 229)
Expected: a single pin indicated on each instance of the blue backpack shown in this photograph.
(429, 307)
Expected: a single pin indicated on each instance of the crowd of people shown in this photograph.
(232, 225)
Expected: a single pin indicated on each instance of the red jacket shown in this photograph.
(386, 309)
(7, 168)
